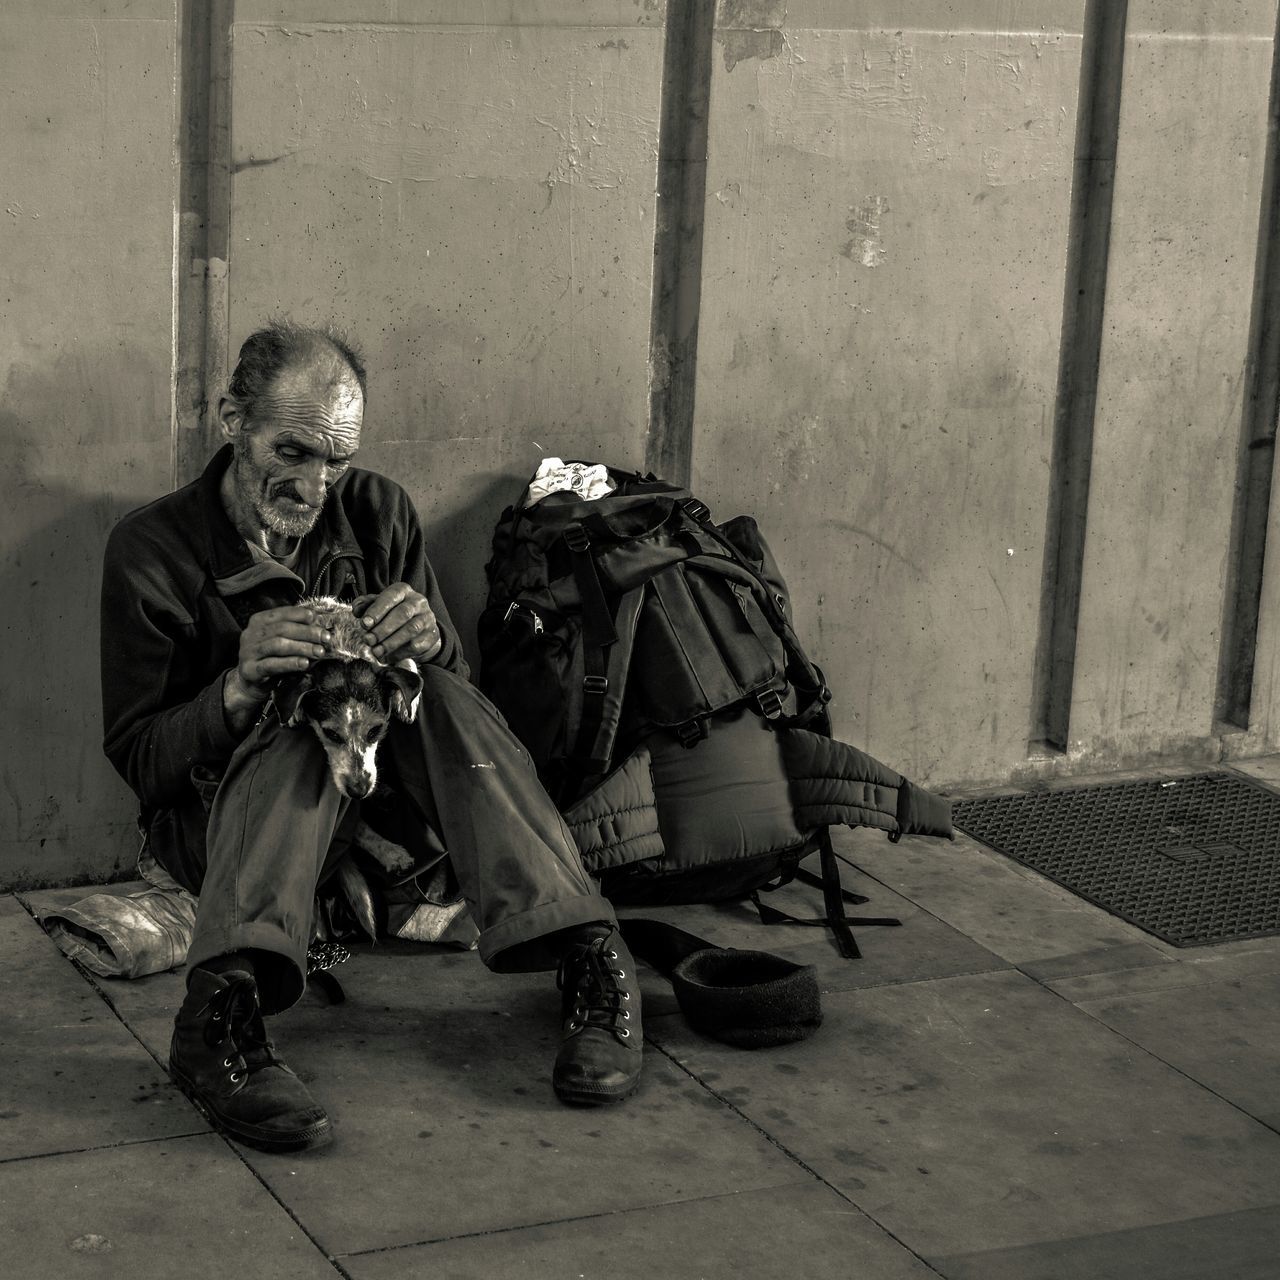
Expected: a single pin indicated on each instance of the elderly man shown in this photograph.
(202, 614)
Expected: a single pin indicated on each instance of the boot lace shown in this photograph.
(588, 976)
(235, 1022)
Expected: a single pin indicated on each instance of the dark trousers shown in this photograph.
(278, 825)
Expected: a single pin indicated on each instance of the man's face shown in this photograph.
(303, 436)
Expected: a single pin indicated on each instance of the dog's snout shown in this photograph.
(358, 785)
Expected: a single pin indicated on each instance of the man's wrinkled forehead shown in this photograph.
(317, 397)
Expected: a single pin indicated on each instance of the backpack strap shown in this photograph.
(597, 622)
(834, 896)
(604, 681)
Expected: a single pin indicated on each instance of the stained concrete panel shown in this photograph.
(751, 1236)
(1011, 910)
(1226, 1035)
(475, 200)
(920, 946)
(437, 1073)
(1242, 1246)
(984, 1112)
(884, 257)
(73, 1077)
(85, 332)
(1192, 141)
(149, 1212)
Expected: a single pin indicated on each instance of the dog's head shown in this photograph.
(349, 703)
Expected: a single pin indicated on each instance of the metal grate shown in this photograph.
(1192, 860)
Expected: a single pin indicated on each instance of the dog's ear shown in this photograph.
(290, 696)
(401, 687)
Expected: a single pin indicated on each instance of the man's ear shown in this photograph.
(231, 417)
(401, 687)
(290, 696)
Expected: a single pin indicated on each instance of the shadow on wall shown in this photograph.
(87, 439)
(459, 543)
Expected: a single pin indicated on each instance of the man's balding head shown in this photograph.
(324, 354)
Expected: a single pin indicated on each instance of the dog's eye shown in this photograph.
(335, 738)
(375, 734)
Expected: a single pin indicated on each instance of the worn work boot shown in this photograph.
(599, 1058)
(223, 1059)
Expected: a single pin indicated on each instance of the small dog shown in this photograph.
(348, 698)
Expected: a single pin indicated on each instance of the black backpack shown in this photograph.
(612, 620)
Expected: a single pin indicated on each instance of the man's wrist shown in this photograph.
(241, 702)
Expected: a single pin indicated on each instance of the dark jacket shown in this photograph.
(178, 586)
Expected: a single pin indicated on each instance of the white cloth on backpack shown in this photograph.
(583, 480)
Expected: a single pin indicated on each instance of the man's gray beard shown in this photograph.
(295, 525)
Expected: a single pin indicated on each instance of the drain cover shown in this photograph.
(1192, 860)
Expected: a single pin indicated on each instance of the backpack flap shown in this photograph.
(744, 552)
(696, 651)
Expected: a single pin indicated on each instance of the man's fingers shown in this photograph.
(385, 602)
(262, 669)
(286, 646)
(287, 613)
(412, 616)
(295, 631)
(420, 638)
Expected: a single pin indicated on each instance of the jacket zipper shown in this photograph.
(323, 567)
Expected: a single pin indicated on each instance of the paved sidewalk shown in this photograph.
(1013, 1086)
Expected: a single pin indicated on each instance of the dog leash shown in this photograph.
(321, 957)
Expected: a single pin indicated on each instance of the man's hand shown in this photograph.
(401, 624)
(274, 643)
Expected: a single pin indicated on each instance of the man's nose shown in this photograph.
(313, 485)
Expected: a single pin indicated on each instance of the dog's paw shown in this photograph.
(392, 857)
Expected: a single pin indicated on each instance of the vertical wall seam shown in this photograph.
(203, 212)
(1088, 248)
(1256, 459)
(678, 229)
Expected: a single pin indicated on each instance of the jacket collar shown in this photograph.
(233, 568)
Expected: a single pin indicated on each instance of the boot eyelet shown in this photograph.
(573, 1026)
(228, 1062)
(619, 973)
(235, 1077)
(626, 995)
(625, 1032)
(611, 955)
(626, 1015)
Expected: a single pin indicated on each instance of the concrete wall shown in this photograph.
(886, 239)
(1189, 168)
(471, 188)
(86, 233)
(884, 258)
(477, 203)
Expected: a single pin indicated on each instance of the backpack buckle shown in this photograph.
(597, 686)
(696, 508)
(576, 538)
(691, 732)
(769, 702)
